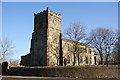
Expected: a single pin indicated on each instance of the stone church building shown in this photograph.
(49, 49)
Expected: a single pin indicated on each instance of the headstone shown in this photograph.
(4, 68)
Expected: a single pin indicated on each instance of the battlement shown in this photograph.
(52, 12)
(49, 12)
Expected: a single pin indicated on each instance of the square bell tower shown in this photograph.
(45, 42)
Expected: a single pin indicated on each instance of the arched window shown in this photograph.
(68, 59)
(90, 51)
(80, 59)
(86, 60)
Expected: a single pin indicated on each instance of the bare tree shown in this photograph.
(14, 62)
(103, 40)
(75, 32)
(116, 53)
(109, 43)
(5, 48)
(56, 49)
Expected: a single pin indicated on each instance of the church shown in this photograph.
(49, 49)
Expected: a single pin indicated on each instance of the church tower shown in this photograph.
(45, 43)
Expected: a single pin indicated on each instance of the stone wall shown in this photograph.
(68, 71)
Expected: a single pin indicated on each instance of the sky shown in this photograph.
(18, 18)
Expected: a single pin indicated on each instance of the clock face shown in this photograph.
(54, 21)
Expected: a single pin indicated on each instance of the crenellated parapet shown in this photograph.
(49, 12)
(53, 13)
